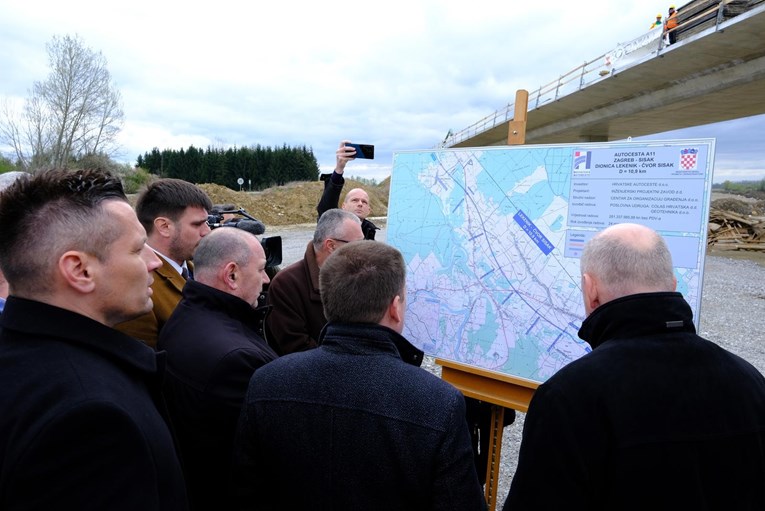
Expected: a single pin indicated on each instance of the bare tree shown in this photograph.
(74, 113)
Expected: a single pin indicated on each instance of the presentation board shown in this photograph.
(492, 237)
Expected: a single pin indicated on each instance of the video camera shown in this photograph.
(271, 245)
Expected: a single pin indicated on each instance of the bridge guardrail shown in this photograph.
(625, 55)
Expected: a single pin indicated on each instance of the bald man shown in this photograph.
(655, 417)
(213, 348)
(356, 201)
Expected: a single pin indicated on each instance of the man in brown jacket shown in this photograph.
(297, 316)
(174, 214)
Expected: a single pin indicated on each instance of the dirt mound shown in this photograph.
(737, 206)
(293, 203)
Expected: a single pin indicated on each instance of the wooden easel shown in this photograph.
(502, 391)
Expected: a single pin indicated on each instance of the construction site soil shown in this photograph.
(293, 203)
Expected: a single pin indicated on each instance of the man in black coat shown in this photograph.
(356, 423)
(356, 200)
(213, 347)
(82, 420)
(655, 417)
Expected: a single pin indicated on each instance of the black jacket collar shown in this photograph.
(198, 294)
(638, 315)
(368, 337)
(36, 319)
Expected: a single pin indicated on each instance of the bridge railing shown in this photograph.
(622, 57)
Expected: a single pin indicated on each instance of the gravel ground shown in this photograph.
(732, 315)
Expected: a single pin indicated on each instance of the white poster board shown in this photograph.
(492, 238)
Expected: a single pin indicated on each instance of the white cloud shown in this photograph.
(396, 74)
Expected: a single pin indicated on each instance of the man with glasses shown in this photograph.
(297, 316)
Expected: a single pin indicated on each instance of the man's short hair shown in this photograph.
(221, 246)
(621, 266)
(169, 197)
(330, 225)
(360, 280)
(55, 211)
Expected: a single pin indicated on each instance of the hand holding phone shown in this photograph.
(365, 151)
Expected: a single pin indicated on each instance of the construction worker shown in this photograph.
(656, 23)
(670, 25)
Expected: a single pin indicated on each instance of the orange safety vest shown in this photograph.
(672, 21)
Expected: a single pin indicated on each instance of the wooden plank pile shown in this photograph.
(728, 230)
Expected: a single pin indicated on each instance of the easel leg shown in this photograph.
(495, 447)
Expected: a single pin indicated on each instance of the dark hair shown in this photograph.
(169, 198)
(46, 215)
(359, 280)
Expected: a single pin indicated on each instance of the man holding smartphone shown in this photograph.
(356, 201)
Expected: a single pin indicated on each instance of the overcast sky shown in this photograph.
(396, 74)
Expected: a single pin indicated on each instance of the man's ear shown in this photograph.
(396, 309)
(78, 271)
(590, 293)
(229, 275)
(163, 226)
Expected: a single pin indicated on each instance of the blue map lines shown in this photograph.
(485, 284)
(492, 239)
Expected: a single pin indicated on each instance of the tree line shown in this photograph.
(741, 186)
(73, 116)
(259, 167)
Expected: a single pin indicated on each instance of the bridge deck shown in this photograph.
(708, 76)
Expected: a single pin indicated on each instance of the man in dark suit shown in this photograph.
(174, 214)
(213, 348)
(82, 421)
(355, 423)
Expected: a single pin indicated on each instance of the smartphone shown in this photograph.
(365, 151)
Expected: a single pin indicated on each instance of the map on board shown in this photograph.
(492, 238)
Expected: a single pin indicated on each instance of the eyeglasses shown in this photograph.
(342, 241)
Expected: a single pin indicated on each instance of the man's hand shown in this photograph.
(343, 155)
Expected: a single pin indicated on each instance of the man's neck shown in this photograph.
(321, 256)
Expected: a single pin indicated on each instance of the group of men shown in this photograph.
(130, 339)
(133, 378)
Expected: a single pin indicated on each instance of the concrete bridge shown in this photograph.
(714, 72)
